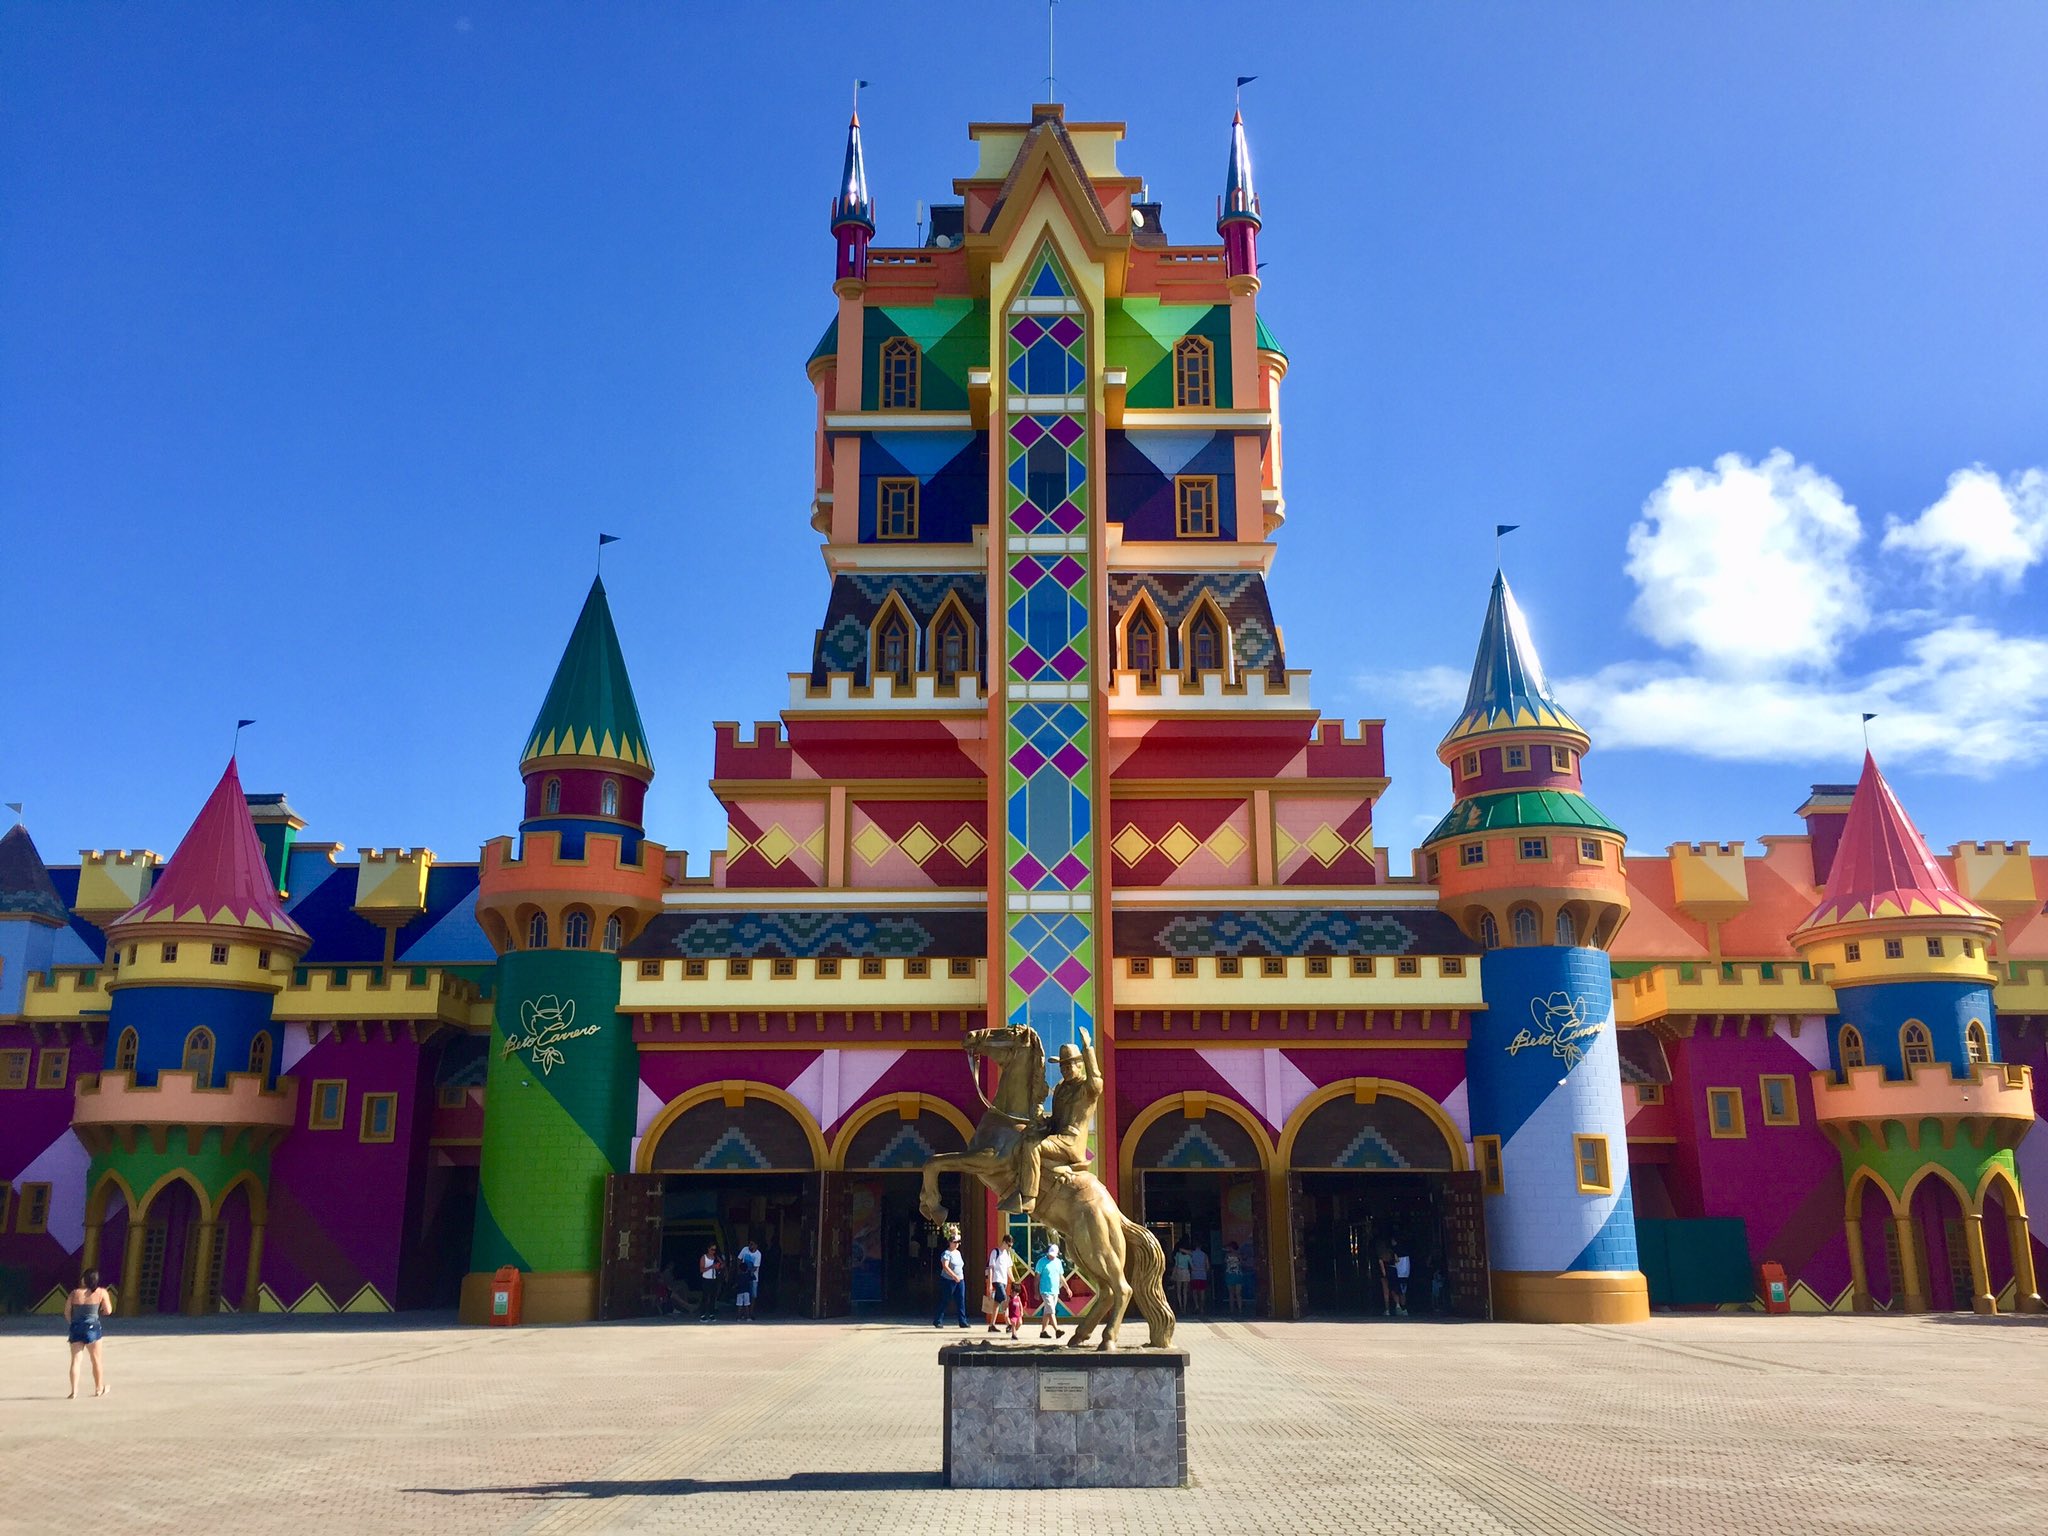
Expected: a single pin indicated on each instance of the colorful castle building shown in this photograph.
(1048, 763)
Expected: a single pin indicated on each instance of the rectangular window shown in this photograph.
(170, 953)
(1852, 952)
(451, 1096)
(1590, 851)
(960, 965)
(1192, 372)
(1183, 966)
(1649, 1093)
(1471, 765)
(917, 967)
(1492, 1177)
(1535, 847)
(1561, 759)
(1229, 965)
(895, 508)
(1590, 1153)
(1272, 965)
(651, 969)
(696, 970)
(1319, 965)
(1407, 966)
(828, 968)
(1514, 757)
(1436, 868)
(1141, 965)
(53, 1068)
(1361, 965)
(1969, 949)
(1934, 949)
(262, 959)
(1472, 853)
(735, 968)
(35, 1209)
(1724, 1114)
(380, 1117)
(220, 954)
(874, 966)
(1781, 1100)
(1895, 949)
(329, 1098)
(782, 966)
(1195, 496)
(13, 1069)
(1450, 965)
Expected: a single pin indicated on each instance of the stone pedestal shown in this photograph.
(1019, 1416)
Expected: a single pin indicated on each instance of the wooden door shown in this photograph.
(1467, 1285)
(632, 1244)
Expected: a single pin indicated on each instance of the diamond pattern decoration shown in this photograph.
(966, 844)
(1131, 845)
(918, 843)
(1179, 843)
(871, 842)
(1226, 843)
(1326, 844)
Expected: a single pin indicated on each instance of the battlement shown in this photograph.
(2024, 989)
(539, 871)
(110, 882)
(391, 883)
(106, 1099)
(842, 691)
(1710, 880)
(398, 993)
(65, 992)
(1253, 689)
(1774, 987)
(1994, 1091)
(2000, 877)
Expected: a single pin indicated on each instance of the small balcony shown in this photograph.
(110, 1104)
(1996, 1095)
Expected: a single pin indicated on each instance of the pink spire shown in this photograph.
(1882, 868)
(218, 875)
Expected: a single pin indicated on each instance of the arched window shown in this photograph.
(537, 931)
(1852, 1047)
(576, 930)
(124, 1051)
(612, 933)
(893, 650)
(1141, 648)
(199, 1055)
(608, 799)
(1979, 1042)
(1489, 931)
(1915, 1044)
(952, 647)
(1567, 930)
(900, 374)
(1523, 922)
(1205, 645)
(551, 796)
(1194, 371)
(259, 1054)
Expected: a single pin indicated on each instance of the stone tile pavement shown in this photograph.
(1723, 1425)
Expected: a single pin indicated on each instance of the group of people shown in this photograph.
(1190, 1274)
(1011, 1288)
(742, 1275)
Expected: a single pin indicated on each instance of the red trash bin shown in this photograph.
(506, 1293)
(1771, 1286)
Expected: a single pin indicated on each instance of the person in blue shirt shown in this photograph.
(1052, 1287)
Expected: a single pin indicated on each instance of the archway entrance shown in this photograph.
(1370, 1180)
(736, 1165)
(1876, 1239)
(1198, 1175)
(167, 1255)
(1938, 1227)
(890, 1251)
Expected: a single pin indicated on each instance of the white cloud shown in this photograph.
(1748, 566)
(1983, 528)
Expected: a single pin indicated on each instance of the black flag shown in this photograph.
(606, 538)
(1501, 528)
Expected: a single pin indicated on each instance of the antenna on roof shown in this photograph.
(920, 221)
(1049, 79)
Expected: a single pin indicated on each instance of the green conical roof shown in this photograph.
(589, 710)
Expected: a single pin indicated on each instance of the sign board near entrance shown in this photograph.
(1062, 1391)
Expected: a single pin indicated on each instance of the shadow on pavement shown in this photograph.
(145, 1324)
(670, 1487)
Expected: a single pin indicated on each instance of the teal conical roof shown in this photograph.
(589, 710)
(1508, 689)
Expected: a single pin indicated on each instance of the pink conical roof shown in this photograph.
(218, 876)
(1882, 868)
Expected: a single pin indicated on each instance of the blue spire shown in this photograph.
(1239, 200)
(1508, 690)
(853, 205)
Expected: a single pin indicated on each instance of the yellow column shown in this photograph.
(1279, 1276)
(1859, 1282)
(131, 1266)
(255, 1274)
(90, 1259)
(1915, 1297)
(199, 1294)
(1981, 1299)
(2026, 1286)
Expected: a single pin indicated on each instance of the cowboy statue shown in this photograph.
(1059, 1141)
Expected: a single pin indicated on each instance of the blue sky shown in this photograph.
(331, 336)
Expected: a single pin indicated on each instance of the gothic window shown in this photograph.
(1915, 1044)
(1979, 1042)
(608, 801)
(893, 649)
(1567, 931)
(199, 1055)
(551, 796)
(1141, 648)
(1523, 921)
(900, 374)
(124, 1051)
(612, 934)
(1852, 1047)
(952, 646)
(576, 930)
(1489, 931)
(259, 1053)
(1195, 498)
(896, 508)
(1205, 645)
(537, 931)
(1194, 366)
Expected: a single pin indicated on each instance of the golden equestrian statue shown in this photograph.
(1033, 1162)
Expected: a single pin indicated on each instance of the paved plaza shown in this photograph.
(1714, 1424)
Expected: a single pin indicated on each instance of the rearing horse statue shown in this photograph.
(1120, 1259)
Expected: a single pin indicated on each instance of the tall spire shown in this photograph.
(219, 876)
(1237, 211)
(26, 889)
(590, 710)
(853, 211)
(1883, 870)
(1508, 690)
